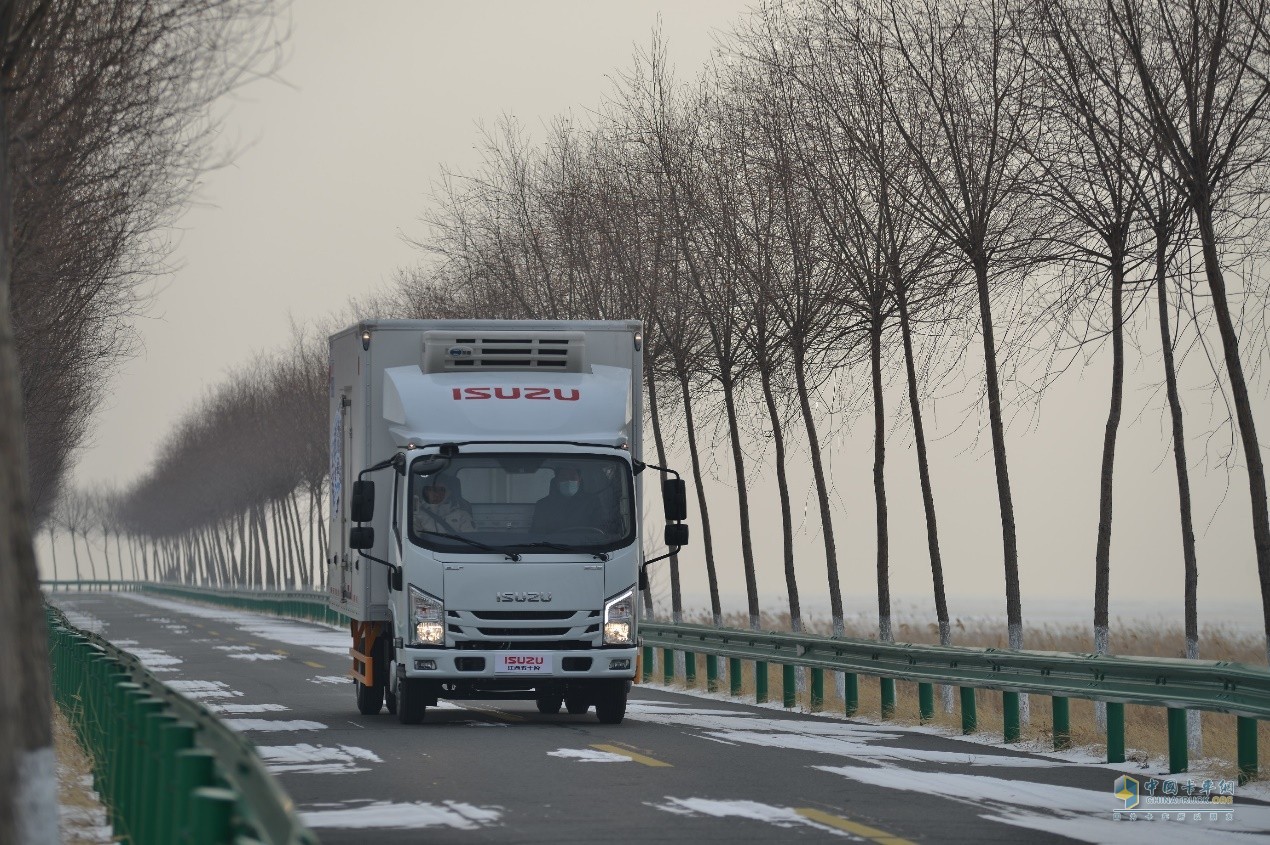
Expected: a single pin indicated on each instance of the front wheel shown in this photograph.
(369, 699)
(411, 705)
(610, 703)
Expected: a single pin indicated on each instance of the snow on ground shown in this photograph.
(321, 637)
(331, 679)
(385, 814)
(589, 755)
(752, 810)
(240, 709)
(316, 759)
(203, 690)
(273, 725)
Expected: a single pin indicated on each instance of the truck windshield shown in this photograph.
(522, 502)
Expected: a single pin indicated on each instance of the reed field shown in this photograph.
(1146, 731)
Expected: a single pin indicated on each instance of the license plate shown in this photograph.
(522, 663)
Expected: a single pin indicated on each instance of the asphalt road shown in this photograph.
(680, 767)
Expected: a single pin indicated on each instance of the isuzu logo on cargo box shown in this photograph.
(522, 597)
(570, 395)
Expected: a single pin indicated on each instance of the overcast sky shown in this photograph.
(335, 164)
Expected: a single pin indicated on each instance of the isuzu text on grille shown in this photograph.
(570, 395)
(522, 596)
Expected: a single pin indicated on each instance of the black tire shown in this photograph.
(550, 704)
(369, 699)
(610, 703)
(577, 703)
(411, 705)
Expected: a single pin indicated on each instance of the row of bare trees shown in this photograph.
(104, 119)
(872, 188)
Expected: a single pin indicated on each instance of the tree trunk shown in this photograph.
(28, 785)
(1102, 554)
(1009, 536)
(676, 593)
(822, 489)
(703, 507)
(88, 550)
(53, 548)
(1243, 404)
(879, 479)
(928, 495)
(782, 484)
(742, 500)
(105, 553)
(79, 575)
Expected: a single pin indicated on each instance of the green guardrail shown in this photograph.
(1176, 684)
(166, 768)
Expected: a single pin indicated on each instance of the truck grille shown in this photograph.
(523, 629)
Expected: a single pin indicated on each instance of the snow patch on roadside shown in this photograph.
(387, 815)
(752, 810)
(273, 725)
(1082, 814)
(330, 679)
(316, 759)
(254, 655)
(239, 709)
(203, 690)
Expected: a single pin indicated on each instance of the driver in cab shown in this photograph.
(437, 511)
(564, 506)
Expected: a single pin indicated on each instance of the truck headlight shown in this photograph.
(425, 618)
(619, 618)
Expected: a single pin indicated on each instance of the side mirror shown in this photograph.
(362, 505)
(361, 537)
(394, 578)
(676, 535)
(675, 499)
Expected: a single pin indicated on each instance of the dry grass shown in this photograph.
(1146, 731)
(82, 816)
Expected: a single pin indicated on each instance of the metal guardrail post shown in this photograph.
(668, 665)
(789, 685)
(817, 690)
(1062, 723)
(1115, 732)
(734, 675)
(712, 673)
(1010, 716)
(211, 815)
(649, 657)
(690, 668)
(760, 681)
(925, 702)
(195, 768)
(850, 694)
(969, 717)
(887, 692)
(1246, 732)
(1177, 741)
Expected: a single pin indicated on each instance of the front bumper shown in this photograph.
(453, 665)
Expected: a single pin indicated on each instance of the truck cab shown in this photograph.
(490, 547)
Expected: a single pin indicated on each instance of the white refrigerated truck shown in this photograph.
(485, 534)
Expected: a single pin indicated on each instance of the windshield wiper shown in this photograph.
(471, 542)
(543, 544)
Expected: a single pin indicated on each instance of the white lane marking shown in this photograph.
(1084, 814)
(588, 755)
(239, 709)
(752, 810)
(385, 814)
(204, 689)
(274, 725)
(317, 759)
